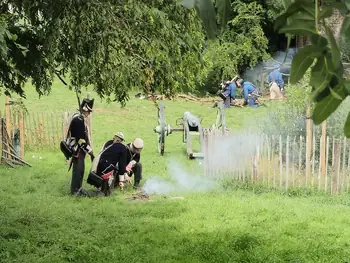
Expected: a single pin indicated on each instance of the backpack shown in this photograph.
(67, 145)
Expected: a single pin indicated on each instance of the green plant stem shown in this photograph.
(316, 15)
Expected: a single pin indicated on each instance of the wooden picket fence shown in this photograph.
(41, 130)
(280, 162)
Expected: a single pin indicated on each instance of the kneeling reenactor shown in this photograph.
(110, 165)
(133, 161)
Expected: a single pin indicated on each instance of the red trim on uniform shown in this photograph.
(107, 175)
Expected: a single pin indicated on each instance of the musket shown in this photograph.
(76, 92)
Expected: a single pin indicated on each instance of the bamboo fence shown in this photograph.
(280, 161)
(41, 130)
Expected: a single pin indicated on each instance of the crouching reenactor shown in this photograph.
(109, 166)
(134, 166)
(250, 93)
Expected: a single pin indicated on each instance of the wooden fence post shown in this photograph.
(281, 160)
(287, 162)
(326, 174)
(308, 142)
(336, 167)
(21, 133)
(343, 168)
(323, 150)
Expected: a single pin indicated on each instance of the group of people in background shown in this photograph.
(115, 164)
(250, 92)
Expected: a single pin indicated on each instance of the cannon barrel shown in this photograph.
(192, 119)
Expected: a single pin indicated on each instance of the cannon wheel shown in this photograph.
(162, 123)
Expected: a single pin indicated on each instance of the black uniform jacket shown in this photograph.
(78, 129)
(115, 154)
(132, 156)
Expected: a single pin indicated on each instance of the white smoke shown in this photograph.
(259, 73)
(180, 181)
(229, 154)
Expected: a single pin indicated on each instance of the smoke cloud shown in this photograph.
(230, 154)
(180, 181)
(258, 73)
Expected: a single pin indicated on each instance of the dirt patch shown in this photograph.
(139, 196)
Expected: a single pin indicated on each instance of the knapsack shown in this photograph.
(67, 145)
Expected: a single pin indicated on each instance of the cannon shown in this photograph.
(190, 125)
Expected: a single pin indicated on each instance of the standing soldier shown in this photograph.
(276, 83)
(79, 141)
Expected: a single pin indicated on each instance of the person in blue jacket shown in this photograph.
(276, 83)
(249, 91)
(229, 92)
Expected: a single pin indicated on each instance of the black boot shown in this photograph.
(137, 184)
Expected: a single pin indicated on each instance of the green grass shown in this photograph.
(40, 222)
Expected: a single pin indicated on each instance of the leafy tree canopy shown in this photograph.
(243, 44)
(323, 55)
(114, 45)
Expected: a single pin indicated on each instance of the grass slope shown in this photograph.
(39, 222)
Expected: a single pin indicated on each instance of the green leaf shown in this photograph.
(318, 40)
(347, 4)
(297, 27)
(319, 78)
(287, 3)
(347, 86)
(223, 10)
(336, 95)
(303, 16)
(326, 11)
(327, 106)
(302, 61)
(347, 126)
(345, 28)
(334, 46)
(188, 3)
(206, 12)
(281, 20)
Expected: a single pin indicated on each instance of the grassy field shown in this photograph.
(40, 222)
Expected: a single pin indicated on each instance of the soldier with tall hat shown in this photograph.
(80, 144)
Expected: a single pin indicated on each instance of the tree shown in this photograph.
(242, 45)
(114, 45)
(322, 54)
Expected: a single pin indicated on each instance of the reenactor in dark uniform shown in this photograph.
(79, 141)
(113, 158)
(133, 161)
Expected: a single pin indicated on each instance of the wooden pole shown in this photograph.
(308, 142)
(323, 149)
(336, 167)
(8, 115)
(21, 132)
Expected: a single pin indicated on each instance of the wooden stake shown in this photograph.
(21, 132)
(308, 142)
(323, 149)
(313, 159)
(281, 161)
(336, 167)
(8, 115)
(327, 157)
(293, 161)
(343, 170)
(300, 154)
(287, 162)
